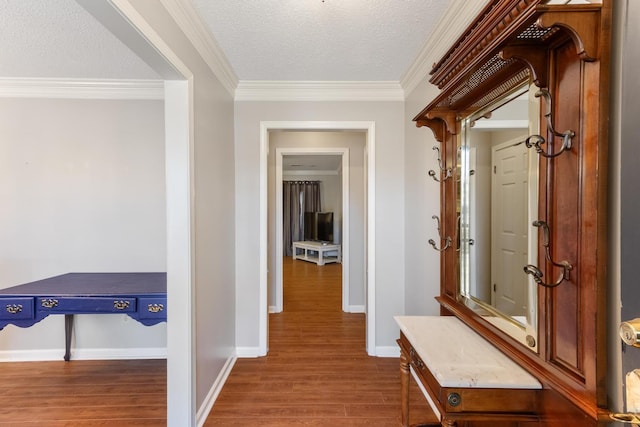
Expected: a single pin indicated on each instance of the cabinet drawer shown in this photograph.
(16, 308)
(152, 308)
(86, 305)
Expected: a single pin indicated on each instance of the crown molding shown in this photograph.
(254, 90)
(459, 14)
(81, 89)
(184, 14)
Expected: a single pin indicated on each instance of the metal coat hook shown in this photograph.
(626, 418)
(537, 140)
(447, 240)
(447, 171)
(535, 271)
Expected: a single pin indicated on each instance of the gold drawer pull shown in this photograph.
(14, 308)
(155, 308)
(416, 359)
(121, 304)
(49, 303)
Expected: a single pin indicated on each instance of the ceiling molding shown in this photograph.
(449, 28)
(252, 90)
(191, 24)
(81, 89)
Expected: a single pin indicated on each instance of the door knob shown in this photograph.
(630, 332)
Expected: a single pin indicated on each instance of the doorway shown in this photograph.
(344, 217)
(369, 219)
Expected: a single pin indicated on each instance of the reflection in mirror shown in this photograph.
(498, 203)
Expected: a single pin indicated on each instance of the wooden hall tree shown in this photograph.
(563, 50)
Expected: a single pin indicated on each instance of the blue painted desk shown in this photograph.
(142, 296)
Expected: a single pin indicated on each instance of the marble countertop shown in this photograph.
(457, 356)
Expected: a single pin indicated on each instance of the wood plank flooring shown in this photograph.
(317, 372)
(83, 393)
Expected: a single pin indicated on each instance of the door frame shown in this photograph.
(343, 152)
(369, 128)
(119, 17)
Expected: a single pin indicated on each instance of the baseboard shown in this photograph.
(83, 354)
(248, 352)
(389, 351)
(214, 392)
(273, 309)
(357, 309)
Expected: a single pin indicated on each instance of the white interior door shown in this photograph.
(509, 228)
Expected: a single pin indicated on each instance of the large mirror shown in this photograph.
(498, 203)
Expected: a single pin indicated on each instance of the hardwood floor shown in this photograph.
(83, 393)
(317, 372)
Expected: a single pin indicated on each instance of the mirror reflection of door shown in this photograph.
(499, 202)
(500, 207)
(509, 240)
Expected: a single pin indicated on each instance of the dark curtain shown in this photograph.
(298, 197)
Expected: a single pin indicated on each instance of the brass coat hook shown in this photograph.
(626, 418)
(537, 140)
(447, 240)
(535, 271)
(447, 171)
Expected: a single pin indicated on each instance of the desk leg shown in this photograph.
(404, 388)
(68, 331)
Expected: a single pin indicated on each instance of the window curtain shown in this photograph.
(298, 197)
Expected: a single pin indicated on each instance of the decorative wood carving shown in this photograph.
(565, 49)
(437, 126)
(536, 59)
(482, 40)
(583, 27)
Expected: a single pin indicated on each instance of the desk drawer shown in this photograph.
(86, 305)
(17, 308)
(152, 308)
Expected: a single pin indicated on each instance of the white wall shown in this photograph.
(421, 263)
(212, 286)
(214, 224)
(389, 152)
(83, 190)
(355, 142)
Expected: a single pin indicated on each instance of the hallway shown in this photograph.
(317, 372)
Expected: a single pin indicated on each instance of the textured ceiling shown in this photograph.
(285, 40)
(59, 39)
(337, 40)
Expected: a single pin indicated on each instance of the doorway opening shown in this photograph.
(340, 221)
(267, 247)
